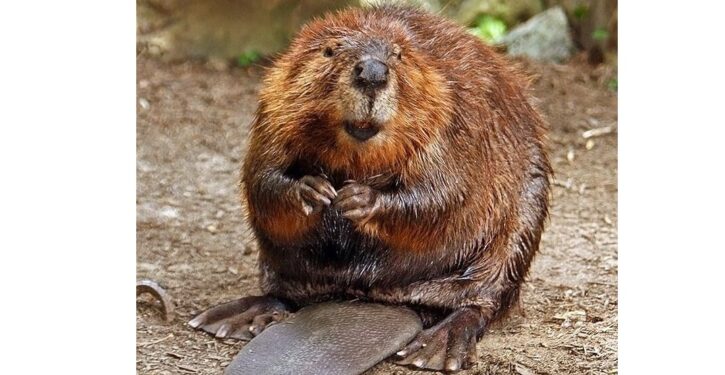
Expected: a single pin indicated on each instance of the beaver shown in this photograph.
(393, 158)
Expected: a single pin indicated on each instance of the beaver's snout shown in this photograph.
(361, 133)
(369, 75)
(367, 95)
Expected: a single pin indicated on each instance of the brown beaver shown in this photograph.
(393, 158)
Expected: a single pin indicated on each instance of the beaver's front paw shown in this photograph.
(357, 202)
(314, 193)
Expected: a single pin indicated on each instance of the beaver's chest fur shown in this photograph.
(336, 254)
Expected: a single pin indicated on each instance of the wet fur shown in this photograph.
(460, 164)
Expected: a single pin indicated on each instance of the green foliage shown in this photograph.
(581, 12)
(248, 58)
(600, 34)
(613, 84)
(488, 28)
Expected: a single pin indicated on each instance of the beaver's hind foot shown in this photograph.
(241, 319)
(449, 345)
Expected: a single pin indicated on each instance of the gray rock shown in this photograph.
(544, 37)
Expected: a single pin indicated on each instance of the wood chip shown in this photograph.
(187, 369)
(576, 314)
(523, 370)
(568, 184)
(174, 355)
(597, 132)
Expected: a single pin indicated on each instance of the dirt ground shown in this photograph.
(191, 237)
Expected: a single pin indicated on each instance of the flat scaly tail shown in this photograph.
(335, 338)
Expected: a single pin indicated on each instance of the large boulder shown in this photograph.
(545, 37)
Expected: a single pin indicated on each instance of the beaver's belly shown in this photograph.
(337, 256)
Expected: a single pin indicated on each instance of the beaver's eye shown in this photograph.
(328, 52)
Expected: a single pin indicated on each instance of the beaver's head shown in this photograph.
(359, 91)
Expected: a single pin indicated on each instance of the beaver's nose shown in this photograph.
(370, 74)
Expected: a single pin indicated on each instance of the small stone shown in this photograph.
(590, 144)
(247, 250)
(144, 103)
(212, 228)
(169, 212)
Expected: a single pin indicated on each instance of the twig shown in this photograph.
(568, 184)
(153, 288)
(172, 354)
(145, 344)
(597, 132)
(187, 369)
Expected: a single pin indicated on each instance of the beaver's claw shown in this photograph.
(357, 202)
(314, 193)
(241, 319)
(450, 345)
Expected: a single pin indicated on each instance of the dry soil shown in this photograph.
(191, 237)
